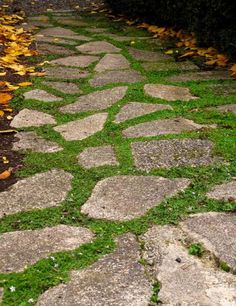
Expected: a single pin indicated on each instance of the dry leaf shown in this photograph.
(5, 174)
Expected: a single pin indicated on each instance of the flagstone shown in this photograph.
(96, 101)
(64, 33)
(201, 76)
(227, 108)
(223, 89)
(65, 73)
(48, 49)
(81, 61)
(125, 38)
(123, 198)
(96, 30)
(54, 40)
(168, 92)
(65, 87)
(148, 56)
(41, 95)
(136, 109)
(156, 154)
(170, 65)
(28, 247)
(42, 190)
(97, 47)
(74, 22)
(82, 128)
(226, 191)
(30, 117)
(112, 62)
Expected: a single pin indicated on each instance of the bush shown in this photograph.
(213, 21)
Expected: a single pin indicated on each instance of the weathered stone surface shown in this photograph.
(125, 76)
(168, 92)
(223, 89)
(117, 279)
(184, 279)
(226, 191)
(62, 32)
(98, 156)
(97, 47)
(81, 61)
(201, 76)
(41, 95)
(31, 141)
(96, 101)
(42, 18)
(148, 56)
(124, 198)
(65, 87)
(227, 108)
(136, 109)
(47, 49)
(125, 38)
(30, 117)
(112, 62)
(167, 66)
(74, 22)
(163, 127)
(42, 190)
(82, 128)
(96, 30)
(55, 40)
(27, 247)
(154, 154)
(65, 73)
(216, 231)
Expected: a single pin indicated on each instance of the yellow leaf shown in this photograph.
(169, 52)
(1, 113)
(5, 174)
(25, 84)
(190, 53)
(5, 97)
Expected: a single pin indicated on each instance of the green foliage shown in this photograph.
(195, 249)
(223, 265)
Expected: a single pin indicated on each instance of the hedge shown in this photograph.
(213, 21)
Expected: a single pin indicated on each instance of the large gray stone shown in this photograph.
(226, 191)
(65, 73)
(154, 154)
(82, 128)
(96, 101)
(71, 21)
(41, 95)
(124, 76)
(136, 109)
(54, 40)
(65, 87)
(97, 47)
(201, 76)
(31, 141)
(64, 33)
(185, 279)
(148, 56)
(223, 89)
(97, 157)
(117, 279)
(227, 108)
(169, 65)
(112, 62)
(81, 61)
(168, 92)
(96, 30)
(42, 190)
(48, 49)
(30, 117)
(123, 198)
(27, 247)
(163, 127)
(216, 231)
(125, 38)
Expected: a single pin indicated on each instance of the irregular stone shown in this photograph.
(227, 108)
(148, 56)
(65, 73)
(65, 87)
(124, 198)
(27, 247)
(97, 157)
(116, 279)
(42, 190)
(82, 128)
(201, 76)
(168, 66)
(97, 47)
(163, 127)
(216, 231)
(74, 22)
(62, 32)
(226, 192)
(41, 95)
(47, 49)
(224, 89)
(34, 25)
(54, 40)
(136, 109)
(30, 117)
(112, 62)
(81, 61)
(31, 141)
(42, 18)
(125, 38)
(124, 76)
(184, 279)
(168, 92)
(96, 101)
(155, 154)
(96, 30)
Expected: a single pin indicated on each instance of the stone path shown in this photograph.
(90, 187)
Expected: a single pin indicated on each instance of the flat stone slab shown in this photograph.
(155, 154)
(231, 108)
(123, 198)
(168, 92)
(31, 141)
(216, 231)
(97, 47)
(96, 101)
(163, 127)
(65, 73)
(201, 76)
(96, 30)
(48, 49)
(97, 157)
(30, 117)
(81, 61)
(42, 190)
(223, 89)
(112, 62)
(169, 65)
(226, 191)
(41, 95)
(82, 128)
(74, 22)
(185, 279)
(137, 109)
(64, 33)
(27, 247)
(54, 40)
(125, 38)
(124, 76)
(65, 87)
(116, 279)
(148, 56)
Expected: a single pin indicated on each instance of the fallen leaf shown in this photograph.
(5, 174)
(5, 97)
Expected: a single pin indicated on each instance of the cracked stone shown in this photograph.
(64, 33)
(124, 198)
(201, 76)
(112, 62)
(227, 108)
(28, 247)
(47, 49)
(81, 61)
(41, 95)
(65, 87)
(97, 47)
(42, 190)
(225, 192)
(167, 66)
(65, 73)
